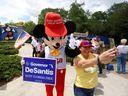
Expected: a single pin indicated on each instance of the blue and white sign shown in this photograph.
(39, 70)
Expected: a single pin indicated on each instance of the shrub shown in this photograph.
(8, 51)
(7, 48)
(10, 66)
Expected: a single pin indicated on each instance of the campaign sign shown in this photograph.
(39, 70)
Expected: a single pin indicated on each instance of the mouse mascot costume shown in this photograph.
(54, 34)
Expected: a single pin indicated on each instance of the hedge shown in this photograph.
(10, 66)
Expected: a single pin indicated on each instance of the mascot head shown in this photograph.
(54, 31)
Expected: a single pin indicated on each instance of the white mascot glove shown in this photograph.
(22, 61)
(78, 43)
(72, 43)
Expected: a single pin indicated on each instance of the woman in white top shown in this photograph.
(36, 47)
(122, 50)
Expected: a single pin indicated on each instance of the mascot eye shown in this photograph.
(47, 38)
(52, 38)
(60, 38)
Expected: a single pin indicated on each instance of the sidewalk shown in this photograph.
(110, 84)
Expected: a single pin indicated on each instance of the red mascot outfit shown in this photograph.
(61, 69)
(54, 33)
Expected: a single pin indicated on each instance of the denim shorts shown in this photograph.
(83, 91)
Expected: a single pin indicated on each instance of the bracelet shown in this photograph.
(98, 60)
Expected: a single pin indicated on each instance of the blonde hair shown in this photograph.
(123, 41)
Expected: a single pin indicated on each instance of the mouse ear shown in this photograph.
(39, 31)
(71, 27)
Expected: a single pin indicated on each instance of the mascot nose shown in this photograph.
(57, 44)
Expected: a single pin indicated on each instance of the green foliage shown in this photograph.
(96, 24)
(29, 26)
(7, 51)
(7, 48)
(11, 24)
(10, 66)
(118, 21)
(118, 7)
(100, 16)
(95, 27)
(78, 15)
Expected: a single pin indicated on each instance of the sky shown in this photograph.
(26, 10)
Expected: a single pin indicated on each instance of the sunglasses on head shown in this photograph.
(86, 46)
(86, 43)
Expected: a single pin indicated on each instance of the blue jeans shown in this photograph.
(121, 63)
(82, 91)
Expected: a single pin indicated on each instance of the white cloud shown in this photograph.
(100, 5)
(12, 10)
(26, 10)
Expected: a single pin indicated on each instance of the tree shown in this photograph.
(118, 21)
(10, 24)
(28, 26)
(78, 15)
(95, 27)
(100, 16)
(96, 24)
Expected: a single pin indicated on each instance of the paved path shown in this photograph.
(110, 84)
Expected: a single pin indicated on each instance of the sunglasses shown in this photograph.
(86, 46)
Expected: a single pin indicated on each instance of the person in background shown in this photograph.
(71, 39)
(96, 45)
(36, 47)
(86, 69)
(121, 56)
(98, 49)
(34, 44)
(39, 48)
